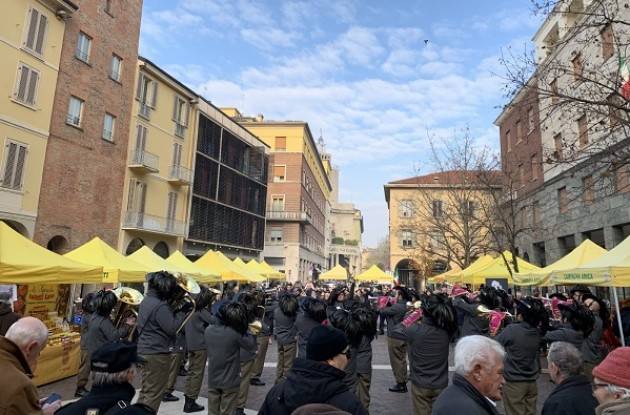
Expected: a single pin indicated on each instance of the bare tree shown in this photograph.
(379, 256)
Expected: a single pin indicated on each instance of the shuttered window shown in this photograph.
(84, 45)
(172, 206)
(279, 173)
(109, 123)
(13, 170)
(36, 31)
(177, 154)
(141, 140)
(27, 82)
(116, 68)
(281, 144)
(75, 109)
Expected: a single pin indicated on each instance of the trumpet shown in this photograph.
(128, 301)
(255, 327)
(190, 286)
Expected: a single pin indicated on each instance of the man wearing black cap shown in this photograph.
(113, 369)
(316, 379)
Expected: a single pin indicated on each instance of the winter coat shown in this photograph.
(195, 328)
(7, 318)
(311, 382)
(462, 398)
(101, 398)
(573, 396)
(304, 324)
(591, 347)
(85, 326)
(18, 394)
(617, 407)
(428, 348)
(565, 334)
(473, 323)
(521, 342)
(101, 330)
(157, 325)
(224, 364)
(394, 316)
(283, 327)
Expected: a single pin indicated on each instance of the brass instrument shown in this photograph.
(128, 301)
(255, 327)
(190, 286)
(415, 305)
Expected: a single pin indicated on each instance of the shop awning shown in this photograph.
(201, 275)
(374, 273)
(116, 266)
(337, 273)
(217, 262)
(585, 252)
(22, 261)
(494, 270)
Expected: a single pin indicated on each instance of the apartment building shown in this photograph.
(156, 195)
(298, 193)
(32, 34)
(86, 152)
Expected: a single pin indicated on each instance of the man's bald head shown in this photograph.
(30, 335)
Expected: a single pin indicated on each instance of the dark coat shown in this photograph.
(283, 327)
(428, 354)
(7, 318)
(574, 396)
(101, 398)
(521, 342)
(157, 325)
(85, 325)
(18, 394)
(473, 323)
(195, 328)
(304, 324)
(101, 330)
(311, 382)
(394, 315)
(224, 364)
(462, 398)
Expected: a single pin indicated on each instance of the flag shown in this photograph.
(624, 72)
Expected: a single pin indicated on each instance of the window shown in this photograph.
(180, 111)
(563, 200)
(437, 208)
(406, 208)
(36, 30)
(84, 44)
(277, 203)
(578, 66)
(75, 111)
(406, 238)
(468, 208)
(177, 154)
(108, 8)
(553, 86)
(171, 210)
(519, 132)
(521, 175)
(587, 189)
(530, 120)
(275, 234)
(436, 240)
(557, 142)
(116, 69)
(14, 160)
(508, 140)
(26, 88)
(281, 144)
(109, 124)
(146, 93)
(608, 45)
(533, 165)
(279, 173)
(615, 109)
(582, 130)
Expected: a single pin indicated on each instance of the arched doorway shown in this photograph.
(58, 244)
(407, 270)
(161, 248)
(16, 226)
(134, 245)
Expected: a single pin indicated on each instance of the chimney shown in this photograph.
(260, 118)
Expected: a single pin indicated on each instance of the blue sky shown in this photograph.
(359, 71)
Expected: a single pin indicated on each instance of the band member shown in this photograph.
(101, 329)
(521, 341)
(592, 350)
(248, 354)
(285, 331)
(84, 367)
(312, 313)
(223, 342)
(263, 338)
(177, 358)
(396, 346)
(159, 318)
(428, 341)
(336, 300)
(196, 346)
(577, 324)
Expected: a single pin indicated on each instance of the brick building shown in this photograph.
(85, 163)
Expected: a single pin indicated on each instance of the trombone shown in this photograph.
(128, 301)
(190, 286)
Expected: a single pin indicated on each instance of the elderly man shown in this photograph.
(573, 394)
(611, 383)
(19, 351)
(478, 379)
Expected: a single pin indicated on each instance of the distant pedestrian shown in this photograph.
(83, 376)
(611, 384)
(7, 316)
(478, 379)
(573, 394)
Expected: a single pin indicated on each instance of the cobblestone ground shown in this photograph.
(383, 401)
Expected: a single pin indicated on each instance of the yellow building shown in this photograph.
(31, 34)
(159, 163)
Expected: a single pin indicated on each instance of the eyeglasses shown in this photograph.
(600, 385)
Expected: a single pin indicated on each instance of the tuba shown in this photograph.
(190, 286)
(128, 301)
(255, 327)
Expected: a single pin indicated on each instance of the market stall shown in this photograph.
(337, 273)
(265, 270)
(439, 279)
(495, 273)
(454, 277)
(204, 275)
(375, 274)
(215, 261)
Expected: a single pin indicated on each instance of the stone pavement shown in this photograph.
(383, 401)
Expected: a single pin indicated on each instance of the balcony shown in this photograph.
(180, 175)
(287, 216)
(154, 224)
(180, 130)
(145, 110)
(144, 162)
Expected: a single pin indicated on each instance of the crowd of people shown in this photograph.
(324, 338)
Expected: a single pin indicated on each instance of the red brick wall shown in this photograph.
(83, 175)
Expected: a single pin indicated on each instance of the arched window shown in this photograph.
(161, 248)
(134, 245)
(58, 244)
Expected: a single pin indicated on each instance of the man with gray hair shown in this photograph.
(19, 351)
(573, 394)
(478, 379)
(7, 316)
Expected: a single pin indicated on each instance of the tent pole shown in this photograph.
(618, 312)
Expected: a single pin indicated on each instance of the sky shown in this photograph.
(375, 78)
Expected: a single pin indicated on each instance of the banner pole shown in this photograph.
(618, 312)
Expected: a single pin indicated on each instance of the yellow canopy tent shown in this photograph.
(265, 270)
(480, 263)
(495, 269)
(374, 273)
(149, 259)
(443, 277)
(585, 252)
(337, 273)
(201, 274)
(116, 266)
(229, 271)
(22, 261)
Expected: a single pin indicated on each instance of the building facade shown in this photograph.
(85, 163)
(32, 35)
(298, 193)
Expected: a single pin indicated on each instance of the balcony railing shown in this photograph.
(180, 175)
(288, 216)
(180, 130)
(145, 161)
(154, 224)
(144, 110)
